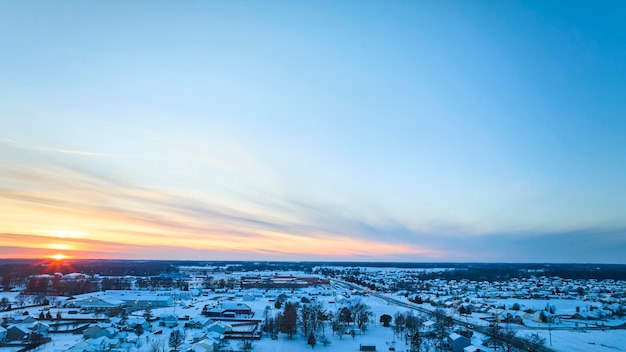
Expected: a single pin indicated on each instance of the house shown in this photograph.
(137, 323)
(472, 348)
(197, 336)
(18, 332)
(205, 345)
(98, 330)
(103, 343)
(515, 317)
(458, 342)
(38, 327)
(199, 323)
(219, 327)
(549, 317)
(227, 310)
(169, 320)
(3, 334)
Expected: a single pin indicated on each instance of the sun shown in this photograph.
(58, 256)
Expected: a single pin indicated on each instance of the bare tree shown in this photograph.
(399, 324)
(21, 299)
(414, 324)
(442, 324)
(534, 342)
(177, 338)
(507, 338)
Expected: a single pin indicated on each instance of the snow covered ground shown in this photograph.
(574, 340)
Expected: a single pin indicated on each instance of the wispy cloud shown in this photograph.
(43, 195)
(59, 194)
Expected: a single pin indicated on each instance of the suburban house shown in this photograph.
(227, 310)
(206, 345)
(199, 323)
(21, 332)
(550, 318)
(102, 343)
(169, 320)
(137, 323)
(99, 330)
(220, 328)
(458, 342)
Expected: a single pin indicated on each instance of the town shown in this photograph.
(178, 306)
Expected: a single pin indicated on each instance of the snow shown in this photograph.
(577, 337)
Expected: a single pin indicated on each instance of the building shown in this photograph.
(168, 320)
(114, 299)
(94, 304)
(282, 281)
(458, 342)
(96, 330)
(227, 310)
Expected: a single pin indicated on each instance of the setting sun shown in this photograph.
(58, 256)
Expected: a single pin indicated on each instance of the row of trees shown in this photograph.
(59, 286)
(160, 283)
(312, 320)
(15, 273)
(211, 283)
(56, 286)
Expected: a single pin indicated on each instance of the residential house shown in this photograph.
(199, 323)
(219, 327)
(103, 343)
(197, 336)
(549, 317)
(18, 332)
(99, 330)
(458, 342)
(168, 321)
(227, 310)
(137, 323)
(205, 345)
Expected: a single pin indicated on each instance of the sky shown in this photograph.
(414, 131)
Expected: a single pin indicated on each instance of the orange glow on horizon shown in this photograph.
(58, 256)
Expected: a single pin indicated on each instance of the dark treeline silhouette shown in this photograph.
(17, 272)
(488, 271)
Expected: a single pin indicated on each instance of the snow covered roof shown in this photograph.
(234, 305)
(454, 336)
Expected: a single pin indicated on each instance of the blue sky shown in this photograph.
(410, 131)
